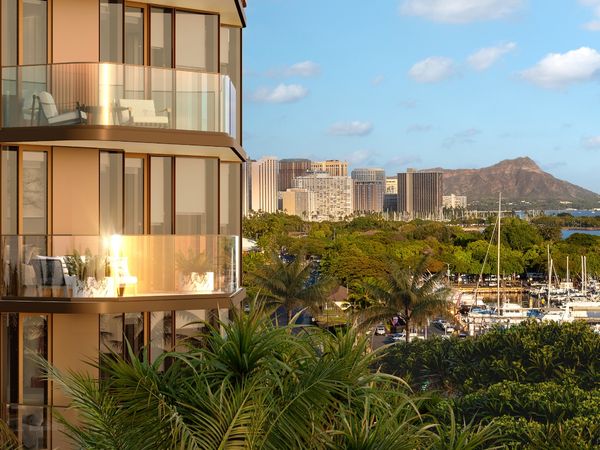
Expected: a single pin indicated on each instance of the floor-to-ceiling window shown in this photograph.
(35, 34)
(111, 30)
(9, 32)
(134, 35)
(134, 195)
(196, 38)
(111, 193)
(196, 195)
(161, 37)
(161, 195)
(10, 198)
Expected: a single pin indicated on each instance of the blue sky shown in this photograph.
(426, 83)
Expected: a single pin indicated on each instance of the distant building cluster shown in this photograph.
(322, 190)
(454, 201)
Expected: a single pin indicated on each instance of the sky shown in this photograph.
(425, 83)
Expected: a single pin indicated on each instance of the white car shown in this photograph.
(380, 330)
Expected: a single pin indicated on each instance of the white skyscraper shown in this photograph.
(332, 195)
(263, 196)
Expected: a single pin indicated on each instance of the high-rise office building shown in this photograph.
(333, 167)
(420, 194)
(369, 188)
(290, 169)
(264, 184)
(331, 195)
(120, 188)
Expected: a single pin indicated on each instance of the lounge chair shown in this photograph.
(135, 112)
(47, 108)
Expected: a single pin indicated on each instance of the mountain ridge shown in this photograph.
(522, 183)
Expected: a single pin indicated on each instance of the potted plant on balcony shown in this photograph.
(193, 272)
(82, 279)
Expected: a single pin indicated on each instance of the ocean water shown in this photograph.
(566, 233)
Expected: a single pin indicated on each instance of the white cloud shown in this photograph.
(594, 24)
(484, 58)
(303, 69)
(377, 80)
(362, 158)
(462, 137)
(591, 143)
(282, 93)
(403, 161)
(460, 11)
(354, 128)
(432, 69)
(558, 70)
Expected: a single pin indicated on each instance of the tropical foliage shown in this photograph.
(358, 249)
(539, 383)
(412, 294)
(262, 387)
(291, 284)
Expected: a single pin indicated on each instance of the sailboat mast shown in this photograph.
(568, 284)
(549, 274)
(498, 264)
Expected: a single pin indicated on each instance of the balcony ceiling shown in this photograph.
(232, 11)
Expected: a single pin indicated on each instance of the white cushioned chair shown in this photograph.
(138, 112)
(48, 108)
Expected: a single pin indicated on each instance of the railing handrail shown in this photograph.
(174, 69)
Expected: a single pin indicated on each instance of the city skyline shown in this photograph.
(424, 88)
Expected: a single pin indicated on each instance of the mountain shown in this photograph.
(522, 183)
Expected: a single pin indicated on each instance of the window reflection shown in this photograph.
(35, 22)
(9, 190)
(35, 192)
(9, 32)
(134, 196)
(35, 346)
(111, 30)
(134, 35)
(161, 204)
(202, 30)
(111, 193)
(196, 209)
(161, 20)
(161, 334)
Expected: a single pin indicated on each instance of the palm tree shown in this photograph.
(258, 387)
(412, 294)
(7, 438)
(289, 285)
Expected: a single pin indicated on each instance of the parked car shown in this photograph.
(380, 330)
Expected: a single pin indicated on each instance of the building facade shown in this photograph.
(121, 182)
(331, 195)
(298, 202)
(391, 185)
(454, 201)
(263, 181)
(420, 194)
(333, 167)
(369, 189)
(290, 169)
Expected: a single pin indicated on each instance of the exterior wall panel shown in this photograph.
(75, 31)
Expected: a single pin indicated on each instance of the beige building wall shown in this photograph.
(75, 31)
(75, 340)
(297, 202)
(75, 191)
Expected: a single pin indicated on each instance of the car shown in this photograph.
(380, 330)
(398, 337)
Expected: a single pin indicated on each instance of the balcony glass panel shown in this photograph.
(119, 95)
(118, 266)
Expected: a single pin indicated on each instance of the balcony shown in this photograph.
(118, 268)
(117, 95)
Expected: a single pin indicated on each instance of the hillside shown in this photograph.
(522, 183)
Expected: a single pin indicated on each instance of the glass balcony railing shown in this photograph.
(118, 266)
(118, 95)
